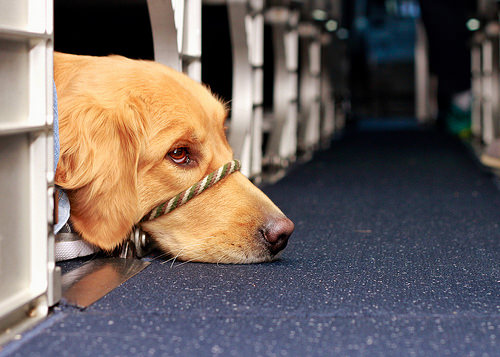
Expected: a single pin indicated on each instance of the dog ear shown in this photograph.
(98, 167)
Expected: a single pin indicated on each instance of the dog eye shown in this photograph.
(179, 156)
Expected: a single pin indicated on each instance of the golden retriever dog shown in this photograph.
(136, 133)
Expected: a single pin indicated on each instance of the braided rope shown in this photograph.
(183, 197)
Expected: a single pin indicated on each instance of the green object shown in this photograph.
(458, 122)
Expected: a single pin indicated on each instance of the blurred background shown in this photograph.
(317, 67)
(373, 47)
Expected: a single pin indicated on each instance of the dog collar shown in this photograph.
(183, 197)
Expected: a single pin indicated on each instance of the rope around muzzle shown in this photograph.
(183, 197)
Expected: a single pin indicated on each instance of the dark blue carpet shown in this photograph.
(396, 253)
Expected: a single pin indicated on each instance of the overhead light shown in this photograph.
(473, 24)
(331, 25)
(319, 15)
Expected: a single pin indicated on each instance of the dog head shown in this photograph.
(135, 133)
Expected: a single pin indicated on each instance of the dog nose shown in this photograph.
(277, 232)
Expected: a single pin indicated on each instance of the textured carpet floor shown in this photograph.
(396, 253)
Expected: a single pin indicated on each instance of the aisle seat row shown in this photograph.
(485, 63)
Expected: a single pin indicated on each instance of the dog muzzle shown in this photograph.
(71, 245)
(183, 197)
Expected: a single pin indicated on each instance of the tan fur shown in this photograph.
(118, 119)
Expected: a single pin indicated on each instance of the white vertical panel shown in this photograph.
(14, 13)
(26, 168)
